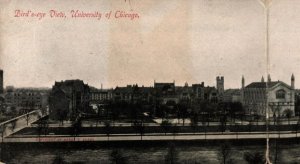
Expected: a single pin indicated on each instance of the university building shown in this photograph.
(276, 96)
(70, 98)
(26, 98)
(166, 93)
(100, 96)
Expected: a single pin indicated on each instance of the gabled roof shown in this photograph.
(123, 89)
(264, 84)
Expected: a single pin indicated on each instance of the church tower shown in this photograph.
(220, 87)
(243, 82)
(269, 78)
(262, 79)
(293, 81)
(220, 84)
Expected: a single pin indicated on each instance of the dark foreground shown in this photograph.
(146, 151)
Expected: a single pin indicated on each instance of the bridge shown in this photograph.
(15, 124)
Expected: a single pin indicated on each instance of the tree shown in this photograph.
(139, 127)
(235, 108)
(225, 152)
(166, 125)
(297, 127)
(27, 117)
(249, 126)
(172, 154)
(255, 158)
(62, 115)
(288, 114)
(42, 127)
(13, 110)
(194, 121)
(210, 110)
(175, 130)
(115, 115)
(76, 127)
(223, 121)
(256, 117)
(182, 110)
(107, 129)
(117, 157)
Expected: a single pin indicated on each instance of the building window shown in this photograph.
(280, 94)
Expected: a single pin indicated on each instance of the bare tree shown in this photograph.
(140, 128)
(194, 121)
(107, 129)
(42, 127)
(175, 130)
(166, 125)
(288, 114)
(225, 152)
(62, 115)
(256, 117)
(76, 127)
(27, 117)
(172, 154)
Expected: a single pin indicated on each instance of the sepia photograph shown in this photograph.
(131, 81)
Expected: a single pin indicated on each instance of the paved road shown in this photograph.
(151, 137)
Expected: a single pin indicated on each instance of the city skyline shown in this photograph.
(155, 81)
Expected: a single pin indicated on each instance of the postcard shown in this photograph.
(130, 81)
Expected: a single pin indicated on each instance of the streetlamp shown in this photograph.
(266, 5)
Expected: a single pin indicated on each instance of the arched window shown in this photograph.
(280, 94)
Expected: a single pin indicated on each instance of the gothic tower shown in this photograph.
(220, 87)
(269, 78)
(243, 82)
(293, 81)
(220, 84)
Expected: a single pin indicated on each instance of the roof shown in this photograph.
(183, 89)
(163, 85)
(264, 84)
(131, 89)
(232, 92)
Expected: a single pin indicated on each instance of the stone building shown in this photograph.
(70, 98)
(100, 96)
(232, 95)
(133, 94)
(276, 97)
(220, 87)
(26, 98)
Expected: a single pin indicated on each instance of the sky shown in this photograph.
(186, 41)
